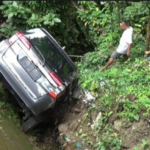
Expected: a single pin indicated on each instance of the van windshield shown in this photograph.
(49, 53)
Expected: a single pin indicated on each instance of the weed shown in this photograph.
(122, 91)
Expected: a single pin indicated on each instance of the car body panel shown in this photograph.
(23, 78)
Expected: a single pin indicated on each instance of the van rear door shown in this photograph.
(51, 53)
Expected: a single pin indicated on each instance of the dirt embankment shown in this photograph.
(11, 137)
(133, 136)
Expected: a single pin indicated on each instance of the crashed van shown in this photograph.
(37, 71)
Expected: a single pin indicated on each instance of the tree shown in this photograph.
(139, 14)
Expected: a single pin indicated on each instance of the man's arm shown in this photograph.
(128, 50)
(147, 52)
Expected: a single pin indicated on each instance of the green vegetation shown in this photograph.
(58, 17)
(7, 107)
(121, 91)
(81, 26)
(91, 28)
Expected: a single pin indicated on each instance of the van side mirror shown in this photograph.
(63, 48)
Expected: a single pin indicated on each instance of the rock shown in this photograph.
(128, 141)
(112, 118)
(126, 123)
(68, 147)
(118, 125)
(74, 125)
(63, 128)
(77, 110)
(93, 116)
(131, 97)
(134, 135)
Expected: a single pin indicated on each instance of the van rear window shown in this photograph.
(50, 53)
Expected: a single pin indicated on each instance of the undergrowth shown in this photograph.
(7, 107)
(121, 91)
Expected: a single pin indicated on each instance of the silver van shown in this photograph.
(37, 70)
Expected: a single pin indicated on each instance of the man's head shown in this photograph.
(124, 25)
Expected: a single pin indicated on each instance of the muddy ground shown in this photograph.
(11, 137)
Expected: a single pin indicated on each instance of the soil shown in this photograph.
(132, 135)
(54, 137)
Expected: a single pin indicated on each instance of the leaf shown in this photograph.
(144, 143)
(28, 10)
(7, 2)
(136, 148)
(136, 117)
(33, 16)
(46, 22)
(15, 4)
(57, 20)
(138, 25)
(52, 23)
(10, 15)
(3, 7)
(103, 148)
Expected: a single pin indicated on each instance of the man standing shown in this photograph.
(124, 45)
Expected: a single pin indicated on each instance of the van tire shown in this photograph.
(29, 124)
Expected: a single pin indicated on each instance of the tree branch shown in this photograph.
(74, 4)
(4, 35)
(78, 56)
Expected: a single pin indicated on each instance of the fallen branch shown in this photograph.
(75, 5)
(3, 35)
(78, 56)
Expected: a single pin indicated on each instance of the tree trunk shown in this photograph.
(118, 11)
(147, 34)
(111, 18)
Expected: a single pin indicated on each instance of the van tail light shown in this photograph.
(22, 39)
(25, 42)
(52, 94)
(56, 78)
(19, 34)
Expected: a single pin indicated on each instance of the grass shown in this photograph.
(122, 92)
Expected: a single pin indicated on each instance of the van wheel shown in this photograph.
(29, 124)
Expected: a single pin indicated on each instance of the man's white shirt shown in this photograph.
(125, 40)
